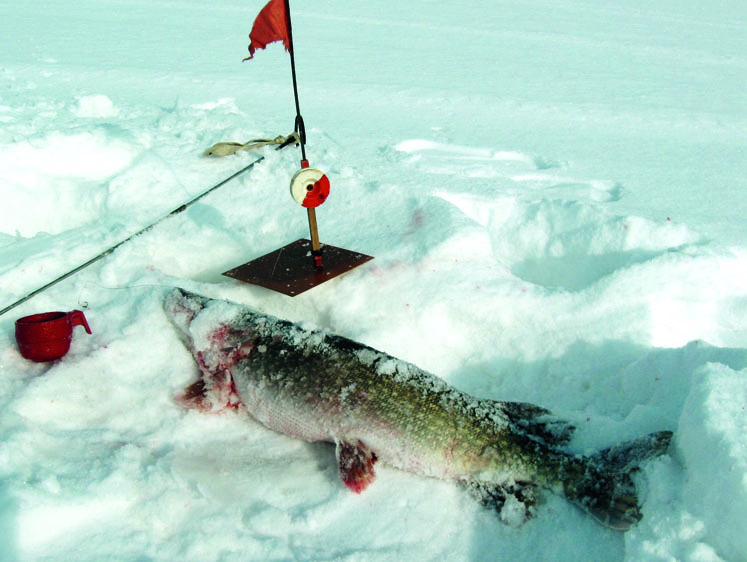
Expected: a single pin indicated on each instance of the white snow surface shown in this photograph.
(555, 196)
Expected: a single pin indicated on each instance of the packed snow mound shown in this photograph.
(59, 179)
(711, 432)
(565, 243)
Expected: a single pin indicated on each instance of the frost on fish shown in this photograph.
(317, 386)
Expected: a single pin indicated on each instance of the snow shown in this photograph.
(554, 194)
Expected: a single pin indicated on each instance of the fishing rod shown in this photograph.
(138, 233)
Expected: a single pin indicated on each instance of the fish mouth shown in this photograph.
(181, 307)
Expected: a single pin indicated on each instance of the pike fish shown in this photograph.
(317, 386)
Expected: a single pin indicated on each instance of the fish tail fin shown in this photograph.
(602, 484)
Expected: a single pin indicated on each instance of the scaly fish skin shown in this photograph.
(318, 386)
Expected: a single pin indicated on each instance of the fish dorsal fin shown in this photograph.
(537, 423)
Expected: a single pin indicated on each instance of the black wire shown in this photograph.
(299, 126)
(138, 233)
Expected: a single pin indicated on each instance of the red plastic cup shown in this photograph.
(46, 336)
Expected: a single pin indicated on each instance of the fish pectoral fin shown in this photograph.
(214, 393)
(513, 501)
(355, 464)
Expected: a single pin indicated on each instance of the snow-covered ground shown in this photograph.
(555, 196)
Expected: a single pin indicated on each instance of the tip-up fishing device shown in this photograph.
(305, 263)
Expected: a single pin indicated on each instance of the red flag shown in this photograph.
(271, 25)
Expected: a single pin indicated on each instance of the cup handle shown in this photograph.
(77, 318)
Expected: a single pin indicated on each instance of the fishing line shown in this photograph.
(88, 285)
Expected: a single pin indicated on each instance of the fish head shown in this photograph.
(217, 332)
(181, 308)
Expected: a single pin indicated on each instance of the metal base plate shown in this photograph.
(290, 270)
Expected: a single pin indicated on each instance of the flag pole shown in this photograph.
(299, 127)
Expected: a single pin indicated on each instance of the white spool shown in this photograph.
(309, 187)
